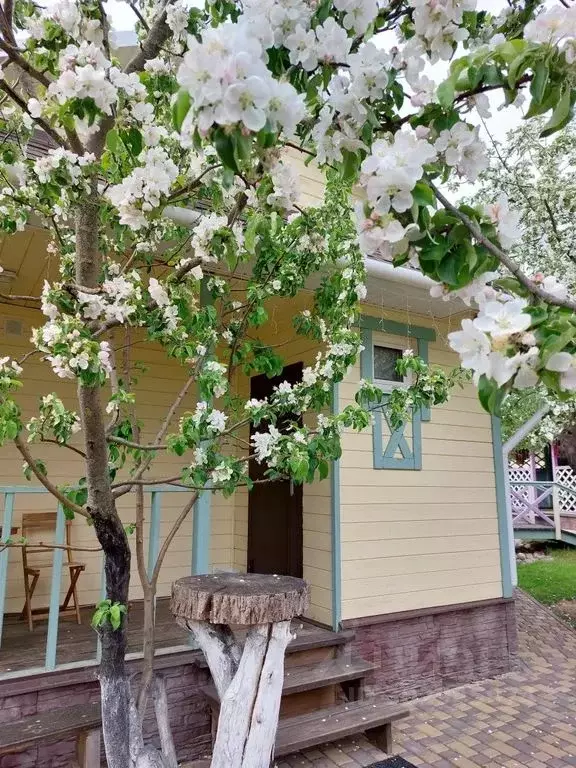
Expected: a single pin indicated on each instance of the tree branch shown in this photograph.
(150, 48)
(168, 540)
(64, 445)
(137, 446)
(38, 120)
(40, 545)
(139, 16)
(15, 297)
(503, 257)
(14, 56)
(25, 451)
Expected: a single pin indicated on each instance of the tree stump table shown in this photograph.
(248, 679)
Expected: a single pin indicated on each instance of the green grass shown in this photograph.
(550, 580)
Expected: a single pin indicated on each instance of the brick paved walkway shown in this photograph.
(525, 719)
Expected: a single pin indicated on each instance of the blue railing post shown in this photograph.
(54, 609)
(201, 534)
(154, 540)
(5, 554)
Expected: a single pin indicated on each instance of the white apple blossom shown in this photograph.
(302, 45)
(142, 190)
(358, 14)
(555, 26)
(473, 346)
(501, 368)
(565, 364)
(507, 221)
(463, 149)
(264, 444)
(503, 319)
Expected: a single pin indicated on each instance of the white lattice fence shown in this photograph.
(567, 477)
(520, 474)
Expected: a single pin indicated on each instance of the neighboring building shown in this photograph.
(406, 543)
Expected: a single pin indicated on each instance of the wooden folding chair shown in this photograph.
(33, 523)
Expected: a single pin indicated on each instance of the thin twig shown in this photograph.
(168, 540)
(135, 445)
(25, 451)
(15, 297)
(64, 445)
(504, 258)
(139, 16)
(40, 545)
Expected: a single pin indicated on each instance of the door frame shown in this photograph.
(258, 386)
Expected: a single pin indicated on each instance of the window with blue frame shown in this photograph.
(399, 448)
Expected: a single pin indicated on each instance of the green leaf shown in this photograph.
(133, 141)
(115, 616)
(112, 140)
(561, 115)
(423, 194)
(448, 269)
(225, 147)
(180, 108)
(548, 102)
(490, 395)
(445, 93)
(350, 165)
(539, 81)
(555, 343)
(518, 67)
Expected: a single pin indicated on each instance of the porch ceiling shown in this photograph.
(412, 298)
(25, 254)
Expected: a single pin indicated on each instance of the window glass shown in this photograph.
(385, 359)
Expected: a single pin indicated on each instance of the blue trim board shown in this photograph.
(422, 350)
(54, 609)
(4, 555)
(398, 329)
(502, 509)
(201, 523)
(336, 530)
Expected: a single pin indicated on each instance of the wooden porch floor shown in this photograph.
(22, 649)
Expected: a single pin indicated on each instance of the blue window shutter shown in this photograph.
(394, 450)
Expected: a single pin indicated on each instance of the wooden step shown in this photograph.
(373, 716)
(307, 678)
(310, 646)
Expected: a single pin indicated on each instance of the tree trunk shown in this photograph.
(114, 684)
(250, 689)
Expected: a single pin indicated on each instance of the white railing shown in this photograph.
(528, 508)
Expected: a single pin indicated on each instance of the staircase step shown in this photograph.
(307, 678)
(332, 723)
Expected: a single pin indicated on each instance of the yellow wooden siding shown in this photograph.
(418, 539)
(155, 390)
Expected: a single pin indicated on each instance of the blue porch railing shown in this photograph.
(200, 546)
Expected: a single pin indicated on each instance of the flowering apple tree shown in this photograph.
(166, 181)
(537, 178)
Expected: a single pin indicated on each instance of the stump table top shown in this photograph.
(239, 598)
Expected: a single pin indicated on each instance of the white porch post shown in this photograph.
(507, 447)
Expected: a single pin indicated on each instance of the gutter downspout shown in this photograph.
(507, 447)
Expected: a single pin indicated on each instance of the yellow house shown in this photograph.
(406, 544)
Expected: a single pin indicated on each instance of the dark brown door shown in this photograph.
(274, 508)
